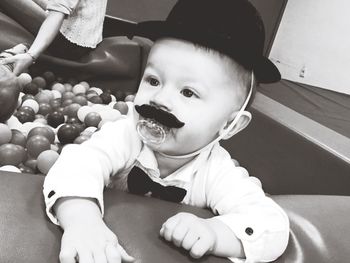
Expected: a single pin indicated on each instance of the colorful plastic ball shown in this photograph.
(28, 126)
(56, 94)
(48, 93)
(24, 79)
(59, 87)
(49, 77)
(92, 119)
(5, 134)
(37, 144)
(40, 120)
(27, 97)
(55, 118)
(25, 116)
(113, 98)
(96, 100)
(72, 109)
(12, 154)
(83, 111)
(67, 133)
(55, 103)
(106, 98)
(44, 109)
(80, 139)
(45, 131)
(10, 168)
(85, 84)
(97, 90)
(13, 123)
(46, 160)
(68, 87)
(121, 106)
(42, 98)
(130, 97)
(80, 100)
(26, 169)
(40, 81)
(68, 95)
(31, 163)
(31, 88)
(18, 138)
(79, 89)
(120, 95)
(32, 104)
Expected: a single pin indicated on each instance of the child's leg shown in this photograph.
(26, 12)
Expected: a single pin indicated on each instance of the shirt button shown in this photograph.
(249, 231)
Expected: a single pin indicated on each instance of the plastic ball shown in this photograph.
(37, 144)
(48, 93)
(44, 109)
(24, 79)
(110, 115)
(97, 90)
(120, 95)
(85, 84)
(56, 94)
(68, 95)
(31, 88)
(89, 131)
(106, 97)
(55, 103)
(44, 131)
(26, 169)
(96, 100)
(32, 104)
(83, 111)
(27, 97)
(31, 163)
(40, 81)
(67, 133)
(92, 119)
(46, 160)
(11, 154)
(42, 98)
(18, 138)
(49, 77)
(5, 134)
(68, 87)
(25, 116)
(55, 118)
(59, 87)
(130, 97)
(80, 100)
(12, 123)
(122, 107)
(80, 139)
(78, 89)
(72, 109)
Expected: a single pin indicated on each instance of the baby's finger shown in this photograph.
(199, 248)
(125, 256)
(5, 61)
(99, 256)
(85, 256)
(179, 234)
(67, 255)
(168, 227)
(189, 240)
(112, 253)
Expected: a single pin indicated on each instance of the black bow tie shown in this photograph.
(140, 183)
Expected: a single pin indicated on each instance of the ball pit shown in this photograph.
(52, 112)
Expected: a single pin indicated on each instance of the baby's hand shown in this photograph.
(190, 232)
(94, 243)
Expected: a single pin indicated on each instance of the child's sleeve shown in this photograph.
(63, 6)
(84, 170)
(260, 224)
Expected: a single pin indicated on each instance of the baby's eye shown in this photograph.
(153, 81)
(187, 93)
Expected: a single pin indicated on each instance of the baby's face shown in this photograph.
(195, 86)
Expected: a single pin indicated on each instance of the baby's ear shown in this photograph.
(242, 122)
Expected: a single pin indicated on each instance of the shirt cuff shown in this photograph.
(63, 6)
(263, 239)
(52, 192)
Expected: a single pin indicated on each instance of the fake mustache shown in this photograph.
(163, 117)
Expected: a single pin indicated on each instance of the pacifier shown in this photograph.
(151, 131)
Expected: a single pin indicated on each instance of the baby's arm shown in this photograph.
(86, 237)
(73, 190)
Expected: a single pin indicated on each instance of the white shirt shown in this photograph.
(211, 180)
(83, 24)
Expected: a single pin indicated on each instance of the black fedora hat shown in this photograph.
(232, 27)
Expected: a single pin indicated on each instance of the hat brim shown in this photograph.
(265, 71)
